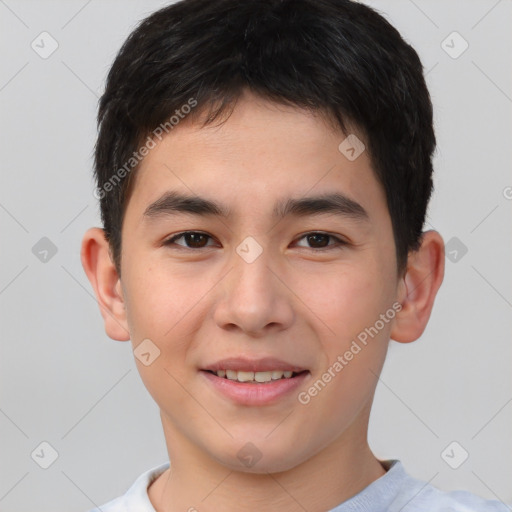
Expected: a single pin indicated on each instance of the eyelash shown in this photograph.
(338, 241)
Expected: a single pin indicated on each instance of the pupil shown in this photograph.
(193, 239)
(316, 237)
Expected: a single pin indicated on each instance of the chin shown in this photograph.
(260, 456)
(263, 466)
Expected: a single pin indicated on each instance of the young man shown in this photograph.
(264, 170)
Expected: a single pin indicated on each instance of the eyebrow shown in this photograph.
(173, 203)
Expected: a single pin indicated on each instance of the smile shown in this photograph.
(255, 377)
(250, 388)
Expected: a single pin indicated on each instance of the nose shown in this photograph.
(254, 297)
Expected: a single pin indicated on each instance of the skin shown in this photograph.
(296, 302)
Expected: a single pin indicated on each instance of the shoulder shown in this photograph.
(136, 498)
(417, 496)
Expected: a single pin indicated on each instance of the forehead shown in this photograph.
(263, 150)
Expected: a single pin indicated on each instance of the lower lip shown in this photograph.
(246, 393)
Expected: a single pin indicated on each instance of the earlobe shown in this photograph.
(103, 277)
(419, 287)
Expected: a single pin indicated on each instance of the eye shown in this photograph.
(198, 240)
(192, 240)
(319, 240)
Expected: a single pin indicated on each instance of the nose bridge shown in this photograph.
(252, 272)
(252, 295)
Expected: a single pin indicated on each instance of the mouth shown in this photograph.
(254, 382)
(256, 377)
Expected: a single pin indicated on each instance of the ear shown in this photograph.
(418, 288)
(104, 279)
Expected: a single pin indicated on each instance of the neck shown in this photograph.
(196, 482)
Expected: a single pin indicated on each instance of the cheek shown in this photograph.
(157, 301)
(348, 305)
(157, 310)
(345, 300)
(164, 306)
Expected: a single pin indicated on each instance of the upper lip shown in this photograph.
(245, 364)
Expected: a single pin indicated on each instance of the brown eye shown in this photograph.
(196, 239)
(318, 240)
(321, 241)
(192, 240)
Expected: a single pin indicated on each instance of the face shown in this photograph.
(264, 282)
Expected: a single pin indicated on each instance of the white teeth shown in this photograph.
(242, 376)
(245, 376)
(231, 374)
(262, 376)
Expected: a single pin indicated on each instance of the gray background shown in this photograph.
(63, 381)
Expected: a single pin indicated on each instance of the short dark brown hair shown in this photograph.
(338, 57)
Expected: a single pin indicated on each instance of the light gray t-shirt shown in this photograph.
(395, 491)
